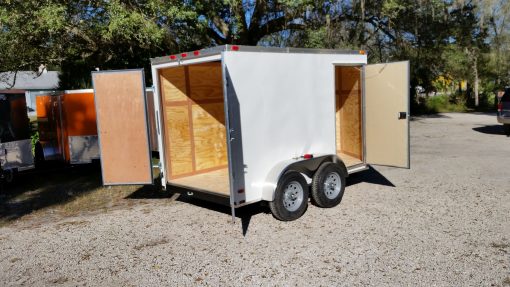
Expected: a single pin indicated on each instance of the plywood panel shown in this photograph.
(350, 78)
(351, 123)
(349, 160)
(173, 84)
(206, 82)
(216, 181)
(209, 136)
(122, 127)
(348, 111)
(195, 128)
(179, 141)
(338, 129)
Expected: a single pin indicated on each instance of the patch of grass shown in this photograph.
(444, 104)
(100, 198)
(458, 102)
(66, 192)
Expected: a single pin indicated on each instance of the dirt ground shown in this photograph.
(444, 222)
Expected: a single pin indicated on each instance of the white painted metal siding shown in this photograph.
(287, 108)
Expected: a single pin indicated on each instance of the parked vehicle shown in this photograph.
(15, 143)
(504, 111)
(239, 124)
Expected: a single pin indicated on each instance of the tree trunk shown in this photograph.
(476, 80)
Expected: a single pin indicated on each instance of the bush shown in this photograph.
(444, 103)
(34, 138)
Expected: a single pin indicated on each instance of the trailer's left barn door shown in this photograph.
(122, 125)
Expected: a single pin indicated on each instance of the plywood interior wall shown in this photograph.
(194, 119)
(348, 111)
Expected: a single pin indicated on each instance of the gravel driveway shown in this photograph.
(444, 222)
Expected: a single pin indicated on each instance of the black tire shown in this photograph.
(506, 128)
(332, 196)
(9, 176)
(288, 204)
(38, 155)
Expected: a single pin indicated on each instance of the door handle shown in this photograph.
(402, 115)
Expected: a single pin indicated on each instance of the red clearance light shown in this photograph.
(362, 52)
(173, 57)
(308, 156)
(196, 53)
(184, 55)
(234, 48)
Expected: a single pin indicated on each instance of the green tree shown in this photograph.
(79, 36)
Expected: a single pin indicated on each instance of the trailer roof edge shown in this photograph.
(240, 48)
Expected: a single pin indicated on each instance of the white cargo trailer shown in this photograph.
(244, 124)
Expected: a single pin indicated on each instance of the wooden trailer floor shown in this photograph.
(218, 182)
(348, 160)
(215, 181)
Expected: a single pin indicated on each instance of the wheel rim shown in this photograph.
(293, 196)
(332, 185)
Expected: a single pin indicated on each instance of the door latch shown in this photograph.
(402, 115)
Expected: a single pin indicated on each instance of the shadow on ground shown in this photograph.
(428, 116)
(38, 189)
(244, 213)
(370, 175)
(54, 187)
(491, 130)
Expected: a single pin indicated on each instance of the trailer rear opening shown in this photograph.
(194, 127)
(348, 115)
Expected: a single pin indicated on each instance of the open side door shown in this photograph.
(387, 114)
(122, 126)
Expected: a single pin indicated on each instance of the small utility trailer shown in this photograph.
(15, 143)
(240, 124)
(66, 122)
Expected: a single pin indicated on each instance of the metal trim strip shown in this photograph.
(241, 48)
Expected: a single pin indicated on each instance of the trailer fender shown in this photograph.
(305, 166)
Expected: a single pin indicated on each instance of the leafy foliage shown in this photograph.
(458, 40)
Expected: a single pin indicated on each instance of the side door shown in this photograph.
(387, 114)
(122, 125)
(234, 141)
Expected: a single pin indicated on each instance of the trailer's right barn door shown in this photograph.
(387, 114)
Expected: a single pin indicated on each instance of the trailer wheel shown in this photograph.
(328, 185)
(38, 155)
(291, 197)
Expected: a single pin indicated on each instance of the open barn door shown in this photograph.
(387, 114)
(123, 127)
